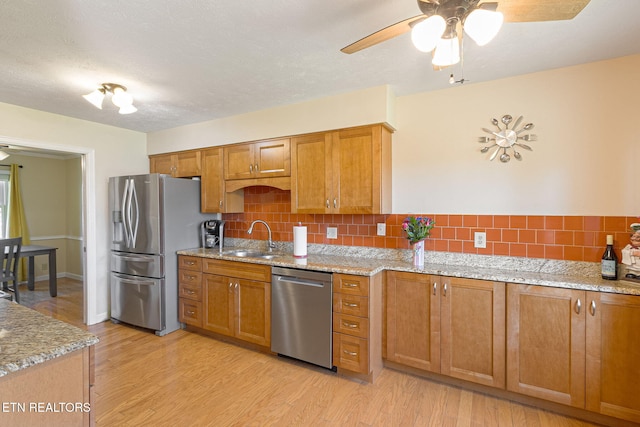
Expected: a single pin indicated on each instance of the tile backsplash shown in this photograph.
(569, 238)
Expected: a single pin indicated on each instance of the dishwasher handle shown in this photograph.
(302, 282)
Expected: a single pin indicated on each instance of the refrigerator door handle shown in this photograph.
(126, 279)
(135, 258)
(125, 214)
(134, 229)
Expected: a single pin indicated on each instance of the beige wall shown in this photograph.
(582, 164)
(114, 152)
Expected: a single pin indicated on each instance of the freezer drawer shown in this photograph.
(137, 264)
(137, 301)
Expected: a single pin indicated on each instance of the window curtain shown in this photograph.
(17, 220)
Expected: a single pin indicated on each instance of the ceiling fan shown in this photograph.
(441, 23)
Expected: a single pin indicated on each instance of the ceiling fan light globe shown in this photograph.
(96, 97)
(127, 109)
(447, 52)
(483, 25)
(425, 34)
(121, 98)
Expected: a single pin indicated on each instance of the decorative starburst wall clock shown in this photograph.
(507, 138)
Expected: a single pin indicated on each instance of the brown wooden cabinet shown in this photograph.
(447, 325)
(613, 355)
(546, 343)
(237, 300)
(190, 290)
(262, 159)
(214, 198)
(181, 164)
(345, 171)
(357, 325)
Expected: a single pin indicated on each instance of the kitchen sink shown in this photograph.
(248, 253)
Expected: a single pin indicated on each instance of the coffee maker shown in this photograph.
(212, 233)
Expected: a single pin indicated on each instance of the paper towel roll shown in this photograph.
(300, 241)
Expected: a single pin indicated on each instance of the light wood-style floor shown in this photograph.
(189, 380)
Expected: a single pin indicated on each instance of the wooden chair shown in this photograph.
(9, 273)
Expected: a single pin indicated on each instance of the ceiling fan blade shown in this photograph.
(382, 35)
(540, 10)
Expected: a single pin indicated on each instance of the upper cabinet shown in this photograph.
(345, 171)
(263, 159)
(214, 197)
(181, 164)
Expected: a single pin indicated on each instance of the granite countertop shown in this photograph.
(360, 261)
(28, 338)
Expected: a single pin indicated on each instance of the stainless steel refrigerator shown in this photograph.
(152, 216)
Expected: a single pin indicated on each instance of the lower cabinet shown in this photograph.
(613, 355)
(357, 324)
(546, 343)
(578, 348)
(447, 325)
(237, 300)
(229, 298)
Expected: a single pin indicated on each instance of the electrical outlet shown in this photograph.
(382, 229)
(332, 232)
(480, 239)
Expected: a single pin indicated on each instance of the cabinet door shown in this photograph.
(238, 161)
(311, 165)
(546, 343)
(613, 355)
(253, 311)
(212, 185)
(213, 197)
(272, 158)
(413, 320)
(162, 164)
(473, 330)
(187, 164)
(218, 304)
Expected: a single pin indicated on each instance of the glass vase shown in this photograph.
(418, 254)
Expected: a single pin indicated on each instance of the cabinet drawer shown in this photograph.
(350, 284)
(190, 263)
(241, 270)
(351, 304)
(189, 291)
(190, 312)
(351, 325)
(351, 353)
(189, 277)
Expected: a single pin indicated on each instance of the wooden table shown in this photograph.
(31, 251)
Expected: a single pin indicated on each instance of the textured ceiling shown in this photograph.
(196, 60)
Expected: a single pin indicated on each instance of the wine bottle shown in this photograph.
(609, 261)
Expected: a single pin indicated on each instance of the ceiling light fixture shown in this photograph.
(120, 97)
(481, 22)
(3, 154)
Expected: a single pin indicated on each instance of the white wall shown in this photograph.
(114, 151)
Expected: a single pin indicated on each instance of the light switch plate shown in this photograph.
(382, 229)
(332, 232)
(480, 239)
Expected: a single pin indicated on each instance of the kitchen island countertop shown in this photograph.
(29, 338)
(367, 266)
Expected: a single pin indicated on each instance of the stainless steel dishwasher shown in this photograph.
(301, 315)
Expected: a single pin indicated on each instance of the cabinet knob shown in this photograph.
(349, 325)
(335, 203)
(220, 203)
(250, 168)
(327, 203)
(350, 353)
(578, 306)
(256, 168)
(435, 287)
(444, 289)
(350, 304)
(593, 308)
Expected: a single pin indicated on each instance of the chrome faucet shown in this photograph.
(270, 244)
